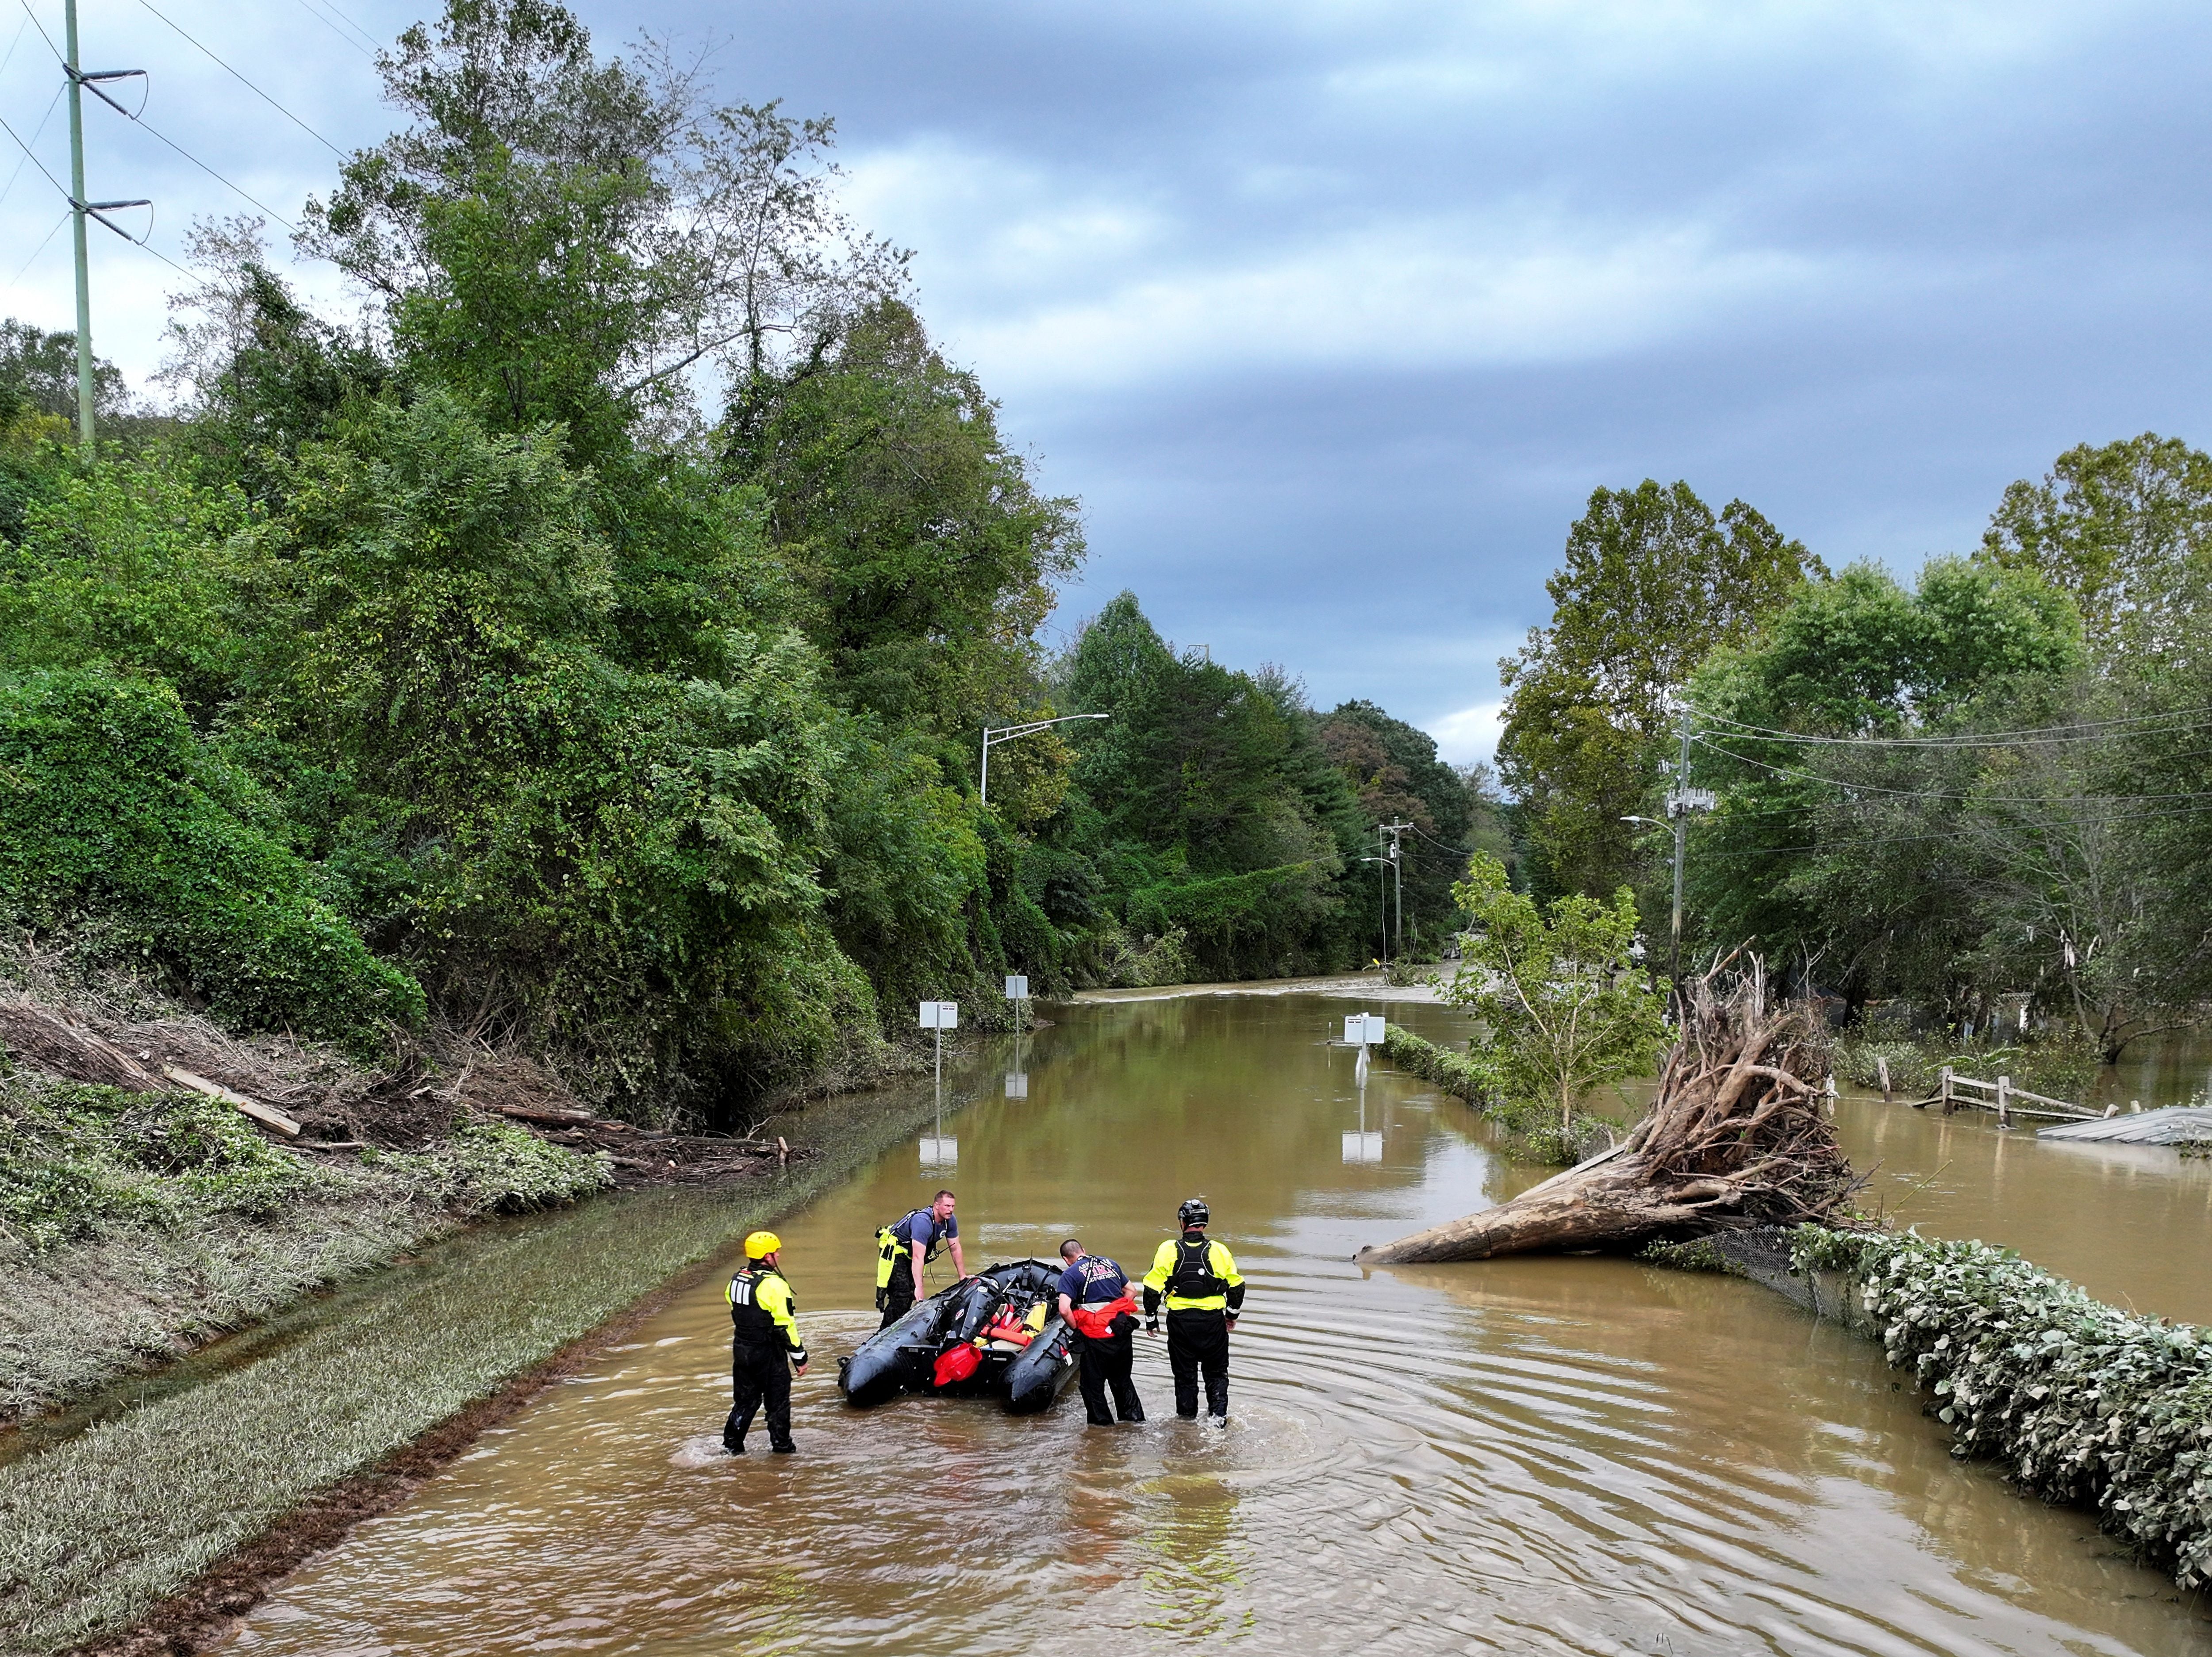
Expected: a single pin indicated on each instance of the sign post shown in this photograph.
(937, 1017)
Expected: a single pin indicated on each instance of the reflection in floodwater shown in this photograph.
(1545, 1456)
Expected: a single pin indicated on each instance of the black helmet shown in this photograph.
(1193, 1212)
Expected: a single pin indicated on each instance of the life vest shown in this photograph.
(1097, 1321)
(1194, 1277)
(889, 1246)
(751, 1323)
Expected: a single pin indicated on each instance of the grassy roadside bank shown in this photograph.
(95, 1533)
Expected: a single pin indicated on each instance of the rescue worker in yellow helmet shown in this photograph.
(763, 1340)
(1197, 1279)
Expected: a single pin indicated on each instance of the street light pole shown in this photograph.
(1007, 733)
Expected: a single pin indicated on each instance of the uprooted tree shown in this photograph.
(1737, 1137)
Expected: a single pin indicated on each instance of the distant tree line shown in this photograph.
(1994, 780)
(587, 647)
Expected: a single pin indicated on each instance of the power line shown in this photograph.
(8, 57)
(140, 120)
(368, 51)
(35, 133)
(216, 176)
(1786, 773)
(64, 190)
(242, 81)
(1952, 834)
(2084, 730)
(41, 247)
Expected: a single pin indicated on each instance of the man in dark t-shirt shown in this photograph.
(914, 1241)
(1094, 1299)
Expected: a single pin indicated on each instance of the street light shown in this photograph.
(1007, 733)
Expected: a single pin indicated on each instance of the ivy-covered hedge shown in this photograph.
(2081, 1403)
(1533, 1123)
(113, 812)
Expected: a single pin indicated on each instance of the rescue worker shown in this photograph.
(907, 1246)
(764, 1338)
(1094, 1302)
(1198, 1278)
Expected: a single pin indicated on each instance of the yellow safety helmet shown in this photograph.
(761, 1244)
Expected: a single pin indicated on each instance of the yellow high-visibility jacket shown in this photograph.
(1219, 1264)
(763, 1311)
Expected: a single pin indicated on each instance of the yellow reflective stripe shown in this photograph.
(774, 1296)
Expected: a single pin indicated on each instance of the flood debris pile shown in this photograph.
(2081, 1403)
(1737, 1136)
(164, 1182)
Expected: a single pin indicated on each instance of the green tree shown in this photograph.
(1393, 769)
(1839, 843)
(1652, 581)
(2121, 528)
(1562, 1005)
(561, 238)
(921, 553)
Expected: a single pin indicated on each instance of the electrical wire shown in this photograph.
(1788, 775)
(139, 121)
(370, 50)
(242, 81)
(1708, 856)
(63, 192)
(41, 247)
(216, 176)
(2081, 731)
(35, 133)
(8, 56)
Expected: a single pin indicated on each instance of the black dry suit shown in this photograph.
(1199, 1279)
(764, 1344)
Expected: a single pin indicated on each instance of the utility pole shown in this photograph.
(76, 230)
(81, 209)
(1677, 807)
(1398, 880)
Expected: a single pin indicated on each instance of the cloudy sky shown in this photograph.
(1333, 315)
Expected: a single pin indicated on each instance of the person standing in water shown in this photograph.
(1198, 1278)
(763, 1341)
(1094, 1302)
(907, 1246)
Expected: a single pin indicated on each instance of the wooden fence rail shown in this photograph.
(2003, 1098)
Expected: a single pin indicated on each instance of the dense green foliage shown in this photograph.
(1977, 788)
(1652, 581)
(2080, 1402)
(1562, 1005)
(465, 664)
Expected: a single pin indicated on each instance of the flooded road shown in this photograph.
(1546, 1456)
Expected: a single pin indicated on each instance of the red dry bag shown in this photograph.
(957, 1365)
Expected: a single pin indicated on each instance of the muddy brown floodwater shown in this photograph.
(1579, 1455)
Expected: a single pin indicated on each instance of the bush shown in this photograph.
(113, 814)
(2081, 1402)
(495, 1168)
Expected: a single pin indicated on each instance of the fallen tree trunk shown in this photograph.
(1736, 1136)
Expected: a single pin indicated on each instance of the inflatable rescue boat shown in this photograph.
(997, 1334)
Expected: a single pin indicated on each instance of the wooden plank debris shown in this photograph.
(267, 1115)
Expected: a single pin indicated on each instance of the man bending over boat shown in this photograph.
(1198, 1278)
(1094, 1300)
(908, 1246)
(763, 1338)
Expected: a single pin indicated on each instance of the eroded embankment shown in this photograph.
(2080, 1403)
(175, 1515)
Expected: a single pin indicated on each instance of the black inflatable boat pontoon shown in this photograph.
(903, 1357)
